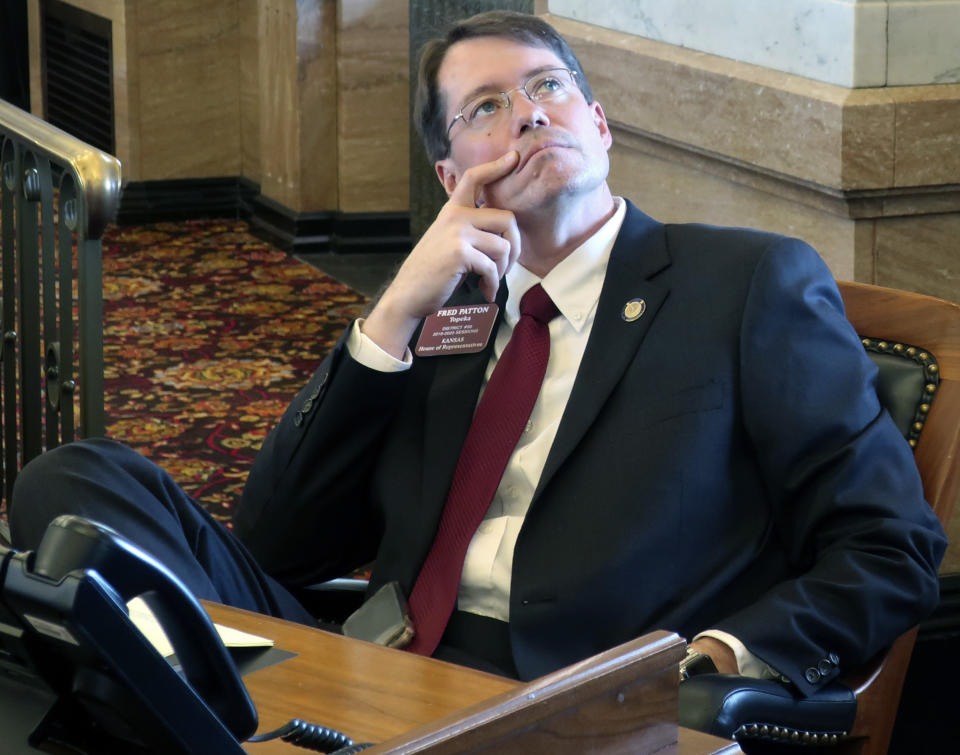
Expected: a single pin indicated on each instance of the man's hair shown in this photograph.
(429, 107)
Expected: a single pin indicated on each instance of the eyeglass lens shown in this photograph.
(546, 86)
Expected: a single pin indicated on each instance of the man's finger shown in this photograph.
(483, 265)
(494, 246)
(512, 234)
(502, 225)
(474, 179)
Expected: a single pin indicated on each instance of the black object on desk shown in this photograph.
(69, 652)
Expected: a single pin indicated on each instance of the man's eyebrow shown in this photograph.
(496, 88)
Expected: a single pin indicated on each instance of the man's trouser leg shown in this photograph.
(105, 481)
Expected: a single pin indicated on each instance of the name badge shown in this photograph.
(457, 330)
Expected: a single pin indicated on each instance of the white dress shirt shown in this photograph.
(574, 286)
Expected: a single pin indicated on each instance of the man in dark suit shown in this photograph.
(706, 453)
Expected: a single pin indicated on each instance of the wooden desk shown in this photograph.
(404, 701)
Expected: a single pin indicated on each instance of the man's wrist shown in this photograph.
(365, 351)
(390, 332)
(719, 652)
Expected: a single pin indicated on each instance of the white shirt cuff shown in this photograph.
(364, 350)
(747, 663)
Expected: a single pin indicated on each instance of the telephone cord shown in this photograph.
(313, 737)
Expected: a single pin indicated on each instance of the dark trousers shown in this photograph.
(110, 483)
(105, 481)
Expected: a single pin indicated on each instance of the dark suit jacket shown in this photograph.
(723, 462)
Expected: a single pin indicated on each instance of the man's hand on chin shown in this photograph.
(464, 238)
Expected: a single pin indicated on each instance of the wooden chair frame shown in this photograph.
(932, 324)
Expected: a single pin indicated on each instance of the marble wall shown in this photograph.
(797, 156)
(176, 103)
(373, 75)
(309, 98)
(184, 54)
(324, 103)
(286, 83)
(125, 90)
(853, 43)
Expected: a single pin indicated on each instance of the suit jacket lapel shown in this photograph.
(639, 253)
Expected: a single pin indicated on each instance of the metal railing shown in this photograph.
(58, 194)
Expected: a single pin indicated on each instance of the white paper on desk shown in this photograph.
(144, 620)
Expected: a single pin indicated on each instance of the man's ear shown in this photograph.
(447, 174)
(601, 123)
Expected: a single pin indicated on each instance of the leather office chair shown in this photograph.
(915, 341)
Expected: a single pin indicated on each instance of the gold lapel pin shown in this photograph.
(633, 310)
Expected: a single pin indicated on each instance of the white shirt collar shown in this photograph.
(575, 283)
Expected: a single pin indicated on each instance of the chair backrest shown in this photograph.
(890, 321)
(898, 317)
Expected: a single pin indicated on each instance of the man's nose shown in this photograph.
(526, 114)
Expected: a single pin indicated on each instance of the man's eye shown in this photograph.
(547, 86)
(483, 108)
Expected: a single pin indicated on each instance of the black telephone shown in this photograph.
(64, 623)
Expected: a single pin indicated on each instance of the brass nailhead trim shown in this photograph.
(932, 371)
(786, 734)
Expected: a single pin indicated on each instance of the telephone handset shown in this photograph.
(70, 597)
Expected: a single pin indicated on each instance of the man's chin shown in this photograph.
(539, 195)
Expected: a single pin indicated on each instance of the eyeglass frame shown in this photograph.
(506, 95)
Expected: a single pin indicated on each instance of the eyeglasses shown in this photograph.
(488, 109)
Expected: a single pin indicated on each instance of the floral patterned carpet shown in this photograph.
(208, 334)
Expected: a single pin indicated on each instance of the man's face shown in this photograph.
(562, 144)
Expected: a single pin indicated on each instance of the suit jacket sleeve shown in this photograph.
(305, 512)
(846, 498)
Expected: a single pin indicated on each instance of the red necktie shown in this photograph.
(500, 418)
